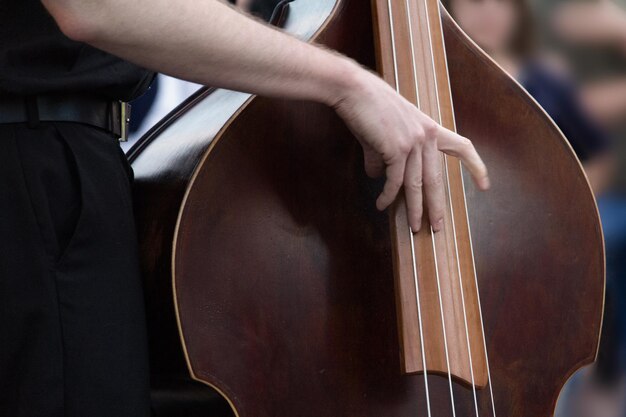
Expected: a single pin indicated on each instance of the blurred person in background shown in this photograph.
(587, 115)
(504, 29)
(592, 37)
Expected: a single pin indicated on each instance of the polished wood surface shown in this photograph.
(283, 268)
(537, 236)
(411, 46)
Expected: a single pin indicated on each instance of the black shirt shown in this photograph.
(36, 58)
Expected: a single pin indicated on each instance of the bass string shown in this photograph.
(482, 326)
(445, 160)
(452, 402)
(414, 261)
(449, 193)
(441, 310)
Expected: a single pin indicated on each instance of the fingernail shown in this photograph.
(486, 183)
(438, 226)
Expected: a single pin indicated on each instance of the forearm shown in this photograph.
(210, 43)
(195, 41)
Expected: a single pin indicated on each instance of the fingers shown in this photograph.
(395, 178)
(456, 145)
(418, 167)
(433, 184)
(413, 189)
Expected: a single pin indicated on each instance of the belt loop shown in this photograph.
(32, 111)
(109, 117)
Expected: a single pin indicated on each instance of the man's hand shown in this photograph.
(404, 143)
(210, 43)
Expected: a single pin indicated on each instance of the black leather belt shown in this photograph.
(113, 116)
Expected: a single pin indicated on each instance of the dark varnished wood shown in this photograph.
(283, 267)
(537, 236)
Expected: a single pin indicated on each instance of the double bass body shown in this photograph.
(269, 272)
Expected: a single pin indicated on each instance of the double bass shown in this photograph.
(275, 288)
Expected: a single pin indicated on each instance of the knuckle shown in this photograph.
(431, 129)
(436, 215)
(404, 147)
(435, 180)
(466, 144)
(415, 185)
(419, 136)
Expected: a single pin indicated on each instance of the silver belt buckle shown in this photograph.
(124, 120)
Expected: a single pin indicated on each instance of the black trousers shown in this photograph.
(72, 326)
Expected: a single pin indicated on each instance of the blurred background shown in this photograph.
(571, 57)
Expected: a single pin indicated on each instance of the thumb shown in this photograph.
(374, 164)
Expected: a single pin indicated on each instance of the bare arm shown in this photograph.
(208, 42)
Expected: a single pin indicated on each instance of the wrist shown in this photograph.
(347, 78)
